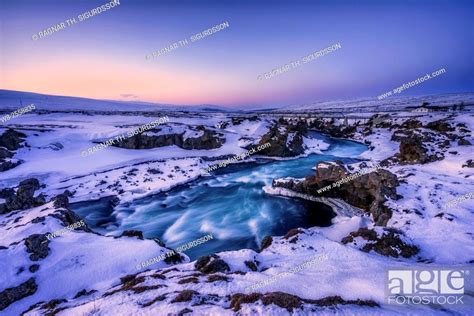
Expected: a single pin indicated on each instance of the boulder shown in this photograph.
(366, 191)
(14, 294)
(11, 139)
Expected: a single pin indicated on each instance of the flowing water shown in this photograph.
(230, 204)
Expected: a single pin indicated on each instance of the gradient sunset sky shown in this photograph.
(384, 44)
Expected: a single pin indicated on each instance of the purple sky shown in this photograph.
(384, 44)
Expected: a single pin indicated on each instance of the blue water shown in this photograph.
(230, 204)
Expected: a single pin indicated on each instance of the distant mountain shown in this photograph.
(15, 99)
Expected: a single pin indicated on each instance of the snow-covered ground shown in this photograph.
(81, 260)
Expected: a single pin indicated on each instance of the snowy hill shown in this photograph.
(16, 99)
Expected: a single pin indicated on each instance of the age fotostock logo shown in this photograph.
(427, 286)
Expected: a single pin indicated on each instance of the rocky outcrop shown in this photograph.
(211, 264)
(412, 151)
(440, 126)
(37, 245)
(11, 139)
(285, 140)
(367, 191)
(417, 147)
(329, 127)
(13, 294)
(23, 198)
(207, 140)
(469, 164)
(411, 124)
(291, 302)
(388, 243)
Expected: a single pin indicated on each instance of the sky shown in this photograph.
(383, 45)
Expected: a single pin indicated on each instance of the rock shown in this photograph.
(337, 300)
(208, 140)
(238, 299)
(11, 139)
(469, 164)
(266, 242)
(33, 268)
(7, 165)
(184, 296)
(61, 201)
(389, 243)
(84, 292)
(464, 142)
(366, 191)
(36, 246)
(216, 278)
(329, 127)
(286, 141)
(184, 311)
(283, 300)
(173, 259)
(251, 265)
(24, 197)
(132, 233)
(189, 280)
(207, 264)
(412, 151)
(5, 153)
(411, 124)
(68, 217)
(440, 126)
(13, 294)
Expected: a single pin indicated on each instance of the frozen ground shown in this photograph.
(81, 260)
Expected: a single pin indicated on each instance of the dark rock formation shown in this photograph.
(174, 258)
(211, 264)
(291, 302)
(286, 141)
(411, 124)
(389, 243)
(367, 191)
(251, 265)
(184, 296)
(209, 140)
(339, 131)
(37, 245)
(61, 201)
(440, 126)
(13, 294)
(412, 151)
(132, 233)
(266, 242)
(11, 139)
(464, 142)
(469, 164)
(23, 198)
